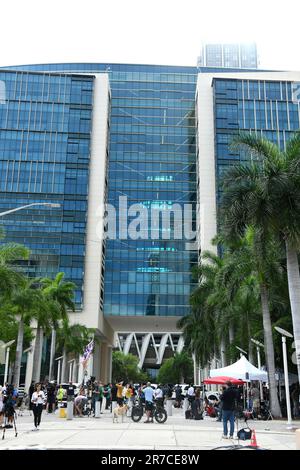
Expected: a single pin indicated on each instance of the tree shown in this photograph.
(125, 367)
(10, 274)
(265, 193)
(176, 369)
(24, 301)
(255, 257)
(72, 339)
(60, 294)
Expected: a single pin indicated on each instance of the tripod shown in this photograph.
(7, 426)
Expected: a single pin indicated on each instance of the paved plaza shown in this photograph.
(100, 433)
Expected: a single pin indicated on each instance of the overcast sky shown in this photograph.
(144, 31)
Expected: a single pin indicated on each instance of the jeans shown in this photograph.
(228, 415)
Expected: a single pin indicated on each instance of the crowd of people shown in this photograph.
(50, 396)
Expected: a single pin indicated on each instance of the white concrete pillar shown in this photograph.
(104, 362)
(109, 364)
(96, 361)
(29, 366)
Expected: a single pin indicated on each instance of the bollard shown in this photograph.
(97, 409)
(70, 409)
(297, 434)
(169, 407)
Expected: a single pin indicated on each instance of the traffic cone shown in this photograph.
(253, 439)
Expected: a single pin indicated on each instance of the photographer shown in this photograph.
(38, 400)
(9, 402)
(1, 406)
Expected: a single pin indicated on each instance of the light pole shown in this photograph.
(7, 347)
(50, 204)
(258, 346)
(285, 334)
(241, 351)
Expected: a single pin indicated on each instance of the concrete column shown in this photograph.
(96, 361)
(29, 365)
(104, 362)
(109, 364)
(80, 371)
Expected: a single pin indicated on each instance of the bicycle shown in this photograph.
(158, 412)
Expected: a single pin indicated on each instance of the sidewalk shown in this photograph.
(176, 433)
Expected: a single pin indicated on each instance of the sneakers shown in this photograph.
(224, 437)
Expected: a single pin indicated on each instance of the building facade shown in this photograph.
(139, 140)
(236, 55)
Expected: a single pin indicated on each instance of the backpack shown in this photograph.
(244, 434)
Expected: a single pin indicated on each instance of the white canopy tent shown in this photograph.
(242, 369)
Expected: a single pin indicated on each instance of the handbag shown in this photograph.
(244, 434)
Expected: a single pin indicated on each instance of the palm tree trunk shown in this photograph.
(223, 352)
(250, 344)
(64, 367)
(52, 353)
(231, 333)
(19, 352)
(37, 356)
(269, 350)
(294, 294)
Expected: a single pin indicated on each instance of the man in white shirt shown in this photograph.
(191, 393)
(159, 396)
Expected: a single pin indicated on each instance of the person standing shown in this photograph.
(30, 392)
(50, 397)
(228, 398)
(101, 395)
(159, 396)
(95, 396)
(60, 395)
(107, 395)
(191, 394)
(38, 400)
(113, 391)
(149, 393)
(120, 393)
(255, 396)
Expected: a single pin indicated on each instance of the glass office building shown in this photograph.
(45, 125)
(46, 135)
(152, 161)
(266, 107)
(242, 56)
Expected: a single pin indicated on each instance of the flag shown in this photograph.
(87, 353)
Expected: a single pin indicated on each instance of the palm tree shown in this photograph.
(44, 311)
(61, 294)
(265, 193)
(25, 301)
(257, 259)
(72, 339)
(10, 274)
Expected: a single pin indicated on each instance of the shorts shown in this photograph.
(149, 406)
